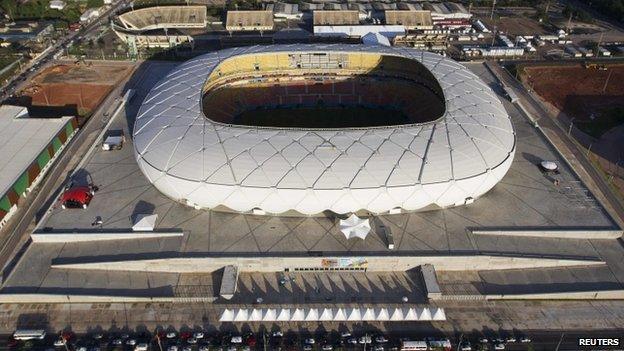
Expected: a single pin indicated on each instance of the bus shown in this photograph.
(409, 345)
(29, 334)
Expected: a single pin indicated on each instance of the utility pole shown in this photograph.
(597, 52)
(569, 21)
(492, 13)
(604, 88)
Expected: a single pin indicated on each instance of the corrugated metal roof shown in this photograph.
(21, 141)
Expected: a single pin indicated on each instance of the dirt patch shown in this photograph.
(583, 93)
(82, 86)
(516, 25)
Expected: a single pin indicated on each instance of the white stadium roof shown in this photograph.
(204, 163)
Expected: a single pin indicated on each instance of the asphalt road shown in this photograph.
(16, 82)
(547, 341)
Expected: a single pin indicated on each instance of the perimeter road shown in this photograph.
(548, 124)
(14, 234)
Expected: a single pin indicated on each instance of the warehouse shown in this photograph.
(29, 146)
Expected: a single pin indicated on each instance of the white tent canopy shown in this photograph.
(145, 222)
(372, 38)
(397, 314)
(355, 227)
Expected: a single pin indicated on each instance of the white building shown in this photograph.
(449, 161)
(89, 15)
(57, 4)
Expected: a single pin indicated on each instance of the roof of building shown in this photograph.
(159, 17)
(283, 7)
(249, 19)
(335, 17)
(21, 141)
(409, 18)
(459, 156)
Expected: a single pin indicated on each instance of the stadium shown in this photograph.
(313, 128)
(159, 26)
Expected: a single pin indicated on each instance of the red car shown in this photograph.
(77, 197)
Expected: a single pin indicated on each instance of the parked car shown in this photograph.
(366, 339)
(77, 197)
(171, 335)
(499, 346)
(352, 341)
(172, 348)
(191, 341)
(198, 335)
(141, 347)
(525, 339)
(327, 347)
(236, 339)
(511, 339)
(309, 341)
(307, 347)
(381, 339)
(465, 346)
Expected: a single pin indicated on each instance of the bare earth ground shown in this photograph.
(582, 93)
(83, 86)
(516, 25)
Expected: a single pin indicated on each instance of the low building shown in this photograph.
(358, 31)
(57, 4)
(29, 146)
(24, 31)
(89, 15)
(411, 20)
(335, 18)
(249, 21)
(284, 10)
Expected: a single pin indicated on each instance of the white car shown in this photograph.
(345, 334)
(191, 341)
(511, 339)
(172, 348)
(327, 347)
(352, 341)
(237, 339)
(465, 346)
(141, 347)
(131, 342)
(198, 335)
(381, 339)
(81, 348)
(204, 348)
(365, 340)
(484, 340)
(277, 334)
(59, 342)
(171, 335)
(187, 348)
(525, 339)
(378, 348)
(117, 342)
(309, 341)
(307, 347)
(499, 346)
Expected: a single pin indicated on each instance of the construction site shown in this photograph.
(78, 86)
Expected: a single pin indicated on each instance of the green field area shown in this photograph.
(322, 117)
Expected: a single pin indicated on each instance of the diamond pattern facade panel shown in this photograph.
(193, 159)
